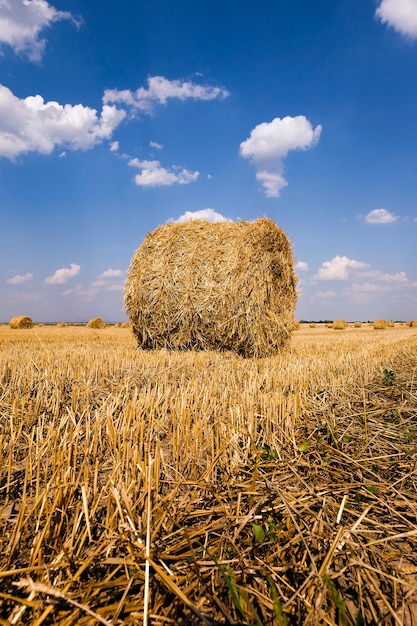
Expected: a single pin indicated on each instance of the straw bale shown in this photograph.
(96, 322)
(357, 324)
(413, 324)
(213, 286)
(21, 321)
(125, 325)
(339, 325)
(380, 324)
(390, 324)
(61, 325)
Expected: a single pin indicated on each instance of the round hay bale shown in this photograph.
(357, 325)
(412, 324)
(125, 325)
(96, 322)
(339, 325)
(213, 286)
(391, 324)
(21, 321)
(380, 324)
(62, 325)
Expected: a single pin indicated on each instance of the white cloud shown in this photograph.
(33, 125)
(114, 146)
(302, 266)
(208, 215)
(326, 294)
(397, 278)
(337, 268)
(22, 21)
(156, 145)
(380, 216)
(270, 142)
(18, 280)
(153, 175)
(400, 14)
(159, 90)
(62, 275)
(83, 294)
(272, 182)
(110, 273)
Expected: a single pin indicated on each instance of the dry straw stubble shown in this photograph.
(203, 286)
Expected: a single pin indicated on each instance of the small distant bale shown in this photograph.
(125, 325)
(96, 322)
(296, 325)
(357, 325)
(312, 325)
(62, 325)
(213, 286)
(390, 324)
(412, 324)
(380, 324)
(339, 325)
(21, 321)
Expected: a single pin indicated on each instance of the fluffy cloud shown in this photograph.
(301, 266)
(18, 280)
(33, 125)
(326, 294)
(380, 216)
(110, 273)
(270, 142)
(161, 89)
(21, 22)
(397, 278)
(156, 145)
(208, 215)
(153, 175)
(62, 275)
(338, 268)
(400, 14)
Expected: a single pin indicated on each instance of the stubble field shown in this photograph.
(203, 488)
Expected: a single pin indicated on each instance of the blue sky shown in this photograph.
(117, 117)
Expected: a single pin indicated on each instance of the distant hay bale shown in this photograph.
(339, 325)
(312, 325)
(413, 324)
(96, 322)
(125, 325)
(390, 324)
(21, 321)
(357, 324)
(296, 325)
(380, 324)
(61, 325)
(213, 286)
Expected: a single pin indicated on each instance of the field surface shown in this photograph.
(202, 488)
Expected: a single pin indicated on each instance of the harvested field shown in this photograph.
(203, 488)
